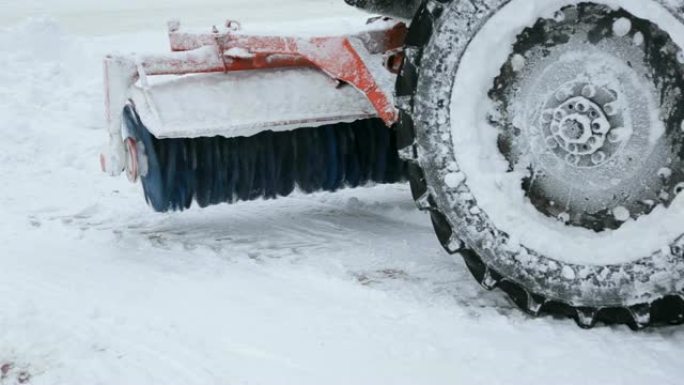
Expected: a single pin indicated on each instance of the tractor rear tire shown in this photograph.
(540, 173)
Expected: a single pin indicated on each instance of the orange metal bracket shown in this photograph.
(334, 55)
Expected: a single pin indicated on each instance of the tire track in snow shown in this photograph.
(349, 234)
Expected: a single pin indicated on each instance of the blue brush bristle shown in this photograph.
(267, 165)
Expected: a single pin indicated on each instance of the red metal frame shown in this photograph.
(334, 55)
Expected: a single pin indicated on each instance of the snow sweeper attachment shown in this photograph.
(231, 115)
(545, 138)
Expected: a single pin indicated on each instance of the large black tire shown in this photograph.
(639, 293)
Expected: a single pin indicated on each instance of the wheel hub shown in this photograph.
(577, 130)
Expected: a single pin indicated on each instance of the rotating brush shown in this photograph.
(214, 170)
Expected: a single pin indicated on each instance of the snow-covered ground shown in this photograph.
(347, 288)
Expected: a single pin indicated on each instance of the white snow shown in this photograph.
(518, 62)
(568, 272)
(347, 288)
(454, 179)
(109, 16)
(622, 26)
(245, 103)
(621, 213)
(239, 53)
(638, 38)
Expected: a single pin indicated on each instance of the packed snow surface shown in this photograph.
(347, 288)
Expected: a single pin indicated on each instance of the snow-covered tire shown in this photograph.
(636, 290)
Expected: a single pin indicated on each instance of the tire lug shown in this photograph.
(424, 202)
(404, 103)
(412, 54)
(641, 314)
(454, 245)
(409, 153)
(534, 304)
(490, 279)
(586, 317)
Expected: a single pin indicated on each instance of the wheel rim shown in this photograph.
(580, 113)
(501, 141)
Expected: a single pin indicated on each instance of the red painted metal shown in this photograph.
(132, 169)
(334, 55)
(347, 58)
